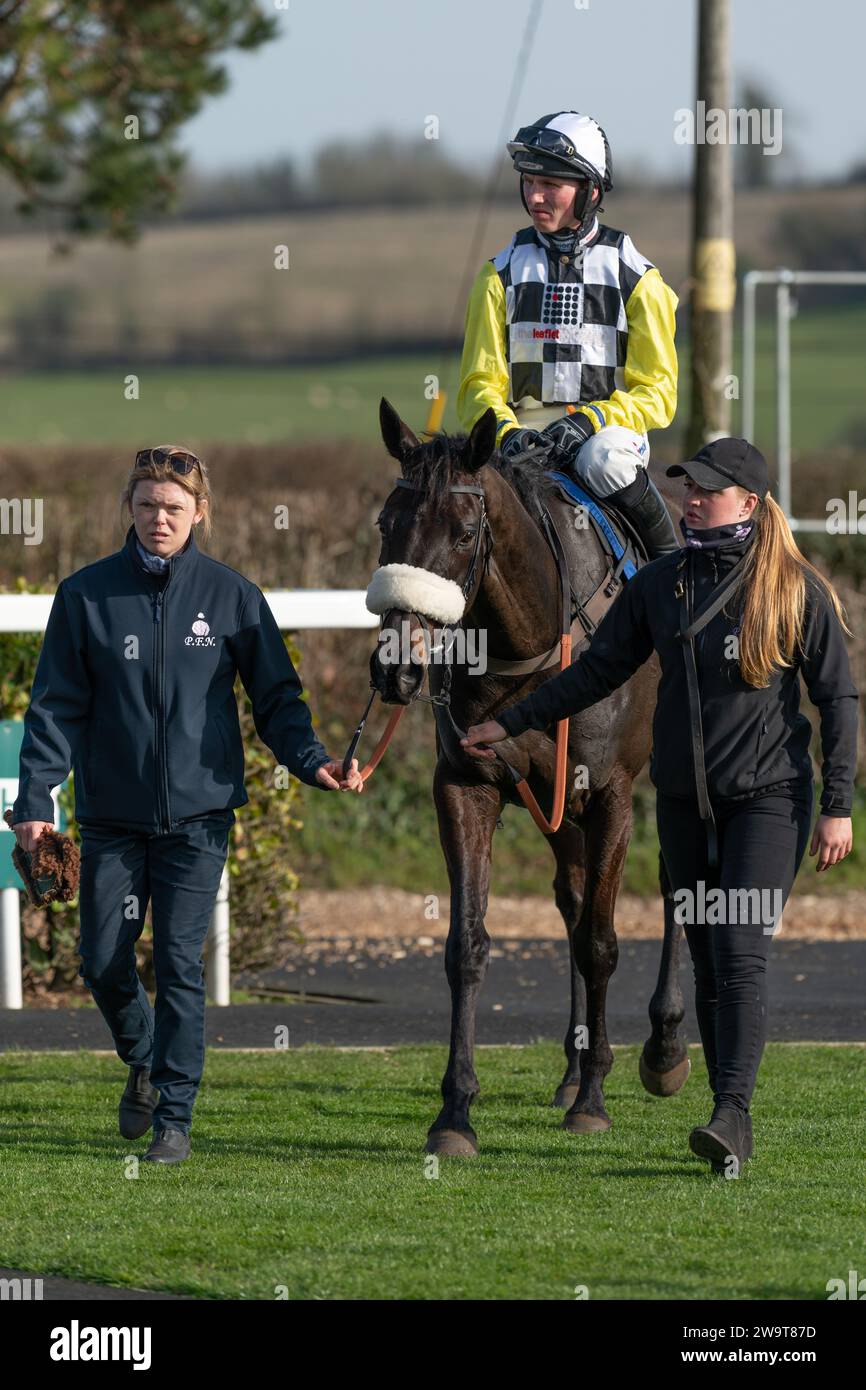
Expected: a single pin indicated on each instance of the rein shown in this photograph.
(441, 701)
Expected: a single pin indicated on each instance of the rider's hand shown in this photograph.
(27, 832)
(330, 775)
(832, 839)
(568, 434)
(518, 441)
(490, 732)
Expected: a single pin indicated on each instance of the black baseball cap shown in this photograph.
(726, 463)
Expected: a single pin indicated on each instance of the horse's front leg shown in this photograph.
(467, 818)
(568, 884)
(607, 827)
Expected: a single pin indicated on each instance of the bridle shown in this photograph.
(482, 530)
(466, 588)
(441, 700)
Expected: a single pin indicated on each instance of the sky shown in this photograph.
(343, 69)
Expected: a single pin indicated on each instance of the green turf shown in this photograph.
(308, 1174)
(246, 404)
(260, 404)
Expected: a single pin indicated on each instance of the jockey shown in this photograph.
(570, 330)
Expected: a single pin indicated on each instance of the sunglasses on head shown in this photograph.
(181, 460)
(551, 140)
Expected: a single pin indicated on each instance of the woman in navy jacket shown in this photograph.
(781, 620)
(134, 691)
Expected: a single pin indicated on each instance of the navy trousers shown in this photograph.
(761, 845)
(179, 872)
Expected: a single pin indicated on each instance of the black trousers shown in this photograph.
(761, 846)
(121, 871)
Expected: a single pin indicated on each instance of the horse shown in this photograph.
(462, 539)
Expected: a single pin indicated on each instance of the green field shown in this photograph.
(308, 1175)
(263, 404)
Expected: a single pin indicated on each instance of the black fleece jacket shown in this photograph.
(134, 691)
(754, 739)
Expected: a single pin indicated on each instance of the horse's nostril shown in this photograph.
(408, 679)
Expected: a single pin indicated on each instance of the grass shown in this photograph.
(245, 404)
(308, 1174)
(264, 404)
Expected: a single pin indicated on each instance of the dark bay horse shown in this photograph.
(461, 539)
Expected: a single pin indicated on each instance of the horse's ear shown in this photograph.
(482, 441)
(398, 437)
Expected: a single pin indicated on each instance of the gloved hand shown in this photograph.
(518, 441)
(568, 434)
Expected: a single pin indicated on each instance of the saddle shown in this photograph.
(623, 549)
(620, 543)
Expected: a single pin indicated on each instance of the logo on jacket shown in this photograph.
(201, 630)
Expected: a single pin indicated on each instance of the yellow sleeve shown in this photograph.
(484, 377)
(649, 401)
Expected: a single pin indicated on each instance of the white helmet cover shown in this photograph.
(562, 143)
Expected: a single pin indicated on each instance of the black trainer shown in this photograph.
(728, 1135)
(168, 1146)
(137, 1103)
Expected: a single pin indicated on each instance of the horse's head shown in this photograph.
(435, 541)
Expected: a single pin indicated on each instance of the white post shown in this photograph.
(748, 421)
(783, 388)
(217, 966)
(11, 996)
(783, 280)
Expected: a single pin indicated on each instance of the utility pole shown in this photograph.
(713, 258)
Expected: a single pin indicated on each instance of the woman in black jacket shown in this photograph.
(730, 758)
(134, 691)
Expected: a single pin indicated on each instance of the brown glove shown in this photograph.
(50, 873)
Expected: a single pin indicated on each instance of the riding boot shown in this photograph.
(644, 505)
(726, 1136)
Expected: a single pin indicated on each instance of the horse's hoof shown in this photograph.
(585, 1124)
(566, 1096)
(451, 1143)
(664, 1083)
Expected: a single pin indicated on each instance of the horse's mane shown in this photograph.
(432, 467)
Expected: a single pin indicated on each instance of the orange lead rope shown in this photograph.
(394, 720)
(549, 827)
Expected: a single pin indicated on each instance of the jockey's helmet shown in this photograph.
(565, 145)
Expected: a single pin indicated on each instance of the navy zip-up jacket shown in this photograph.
(134, 692)
(754, 739)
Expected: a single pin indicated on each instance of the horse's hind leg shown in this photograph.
(568, 847)
(467, 818)
(664, 1062)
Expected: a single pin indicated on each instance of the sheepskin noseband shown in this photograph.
(415, 590)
